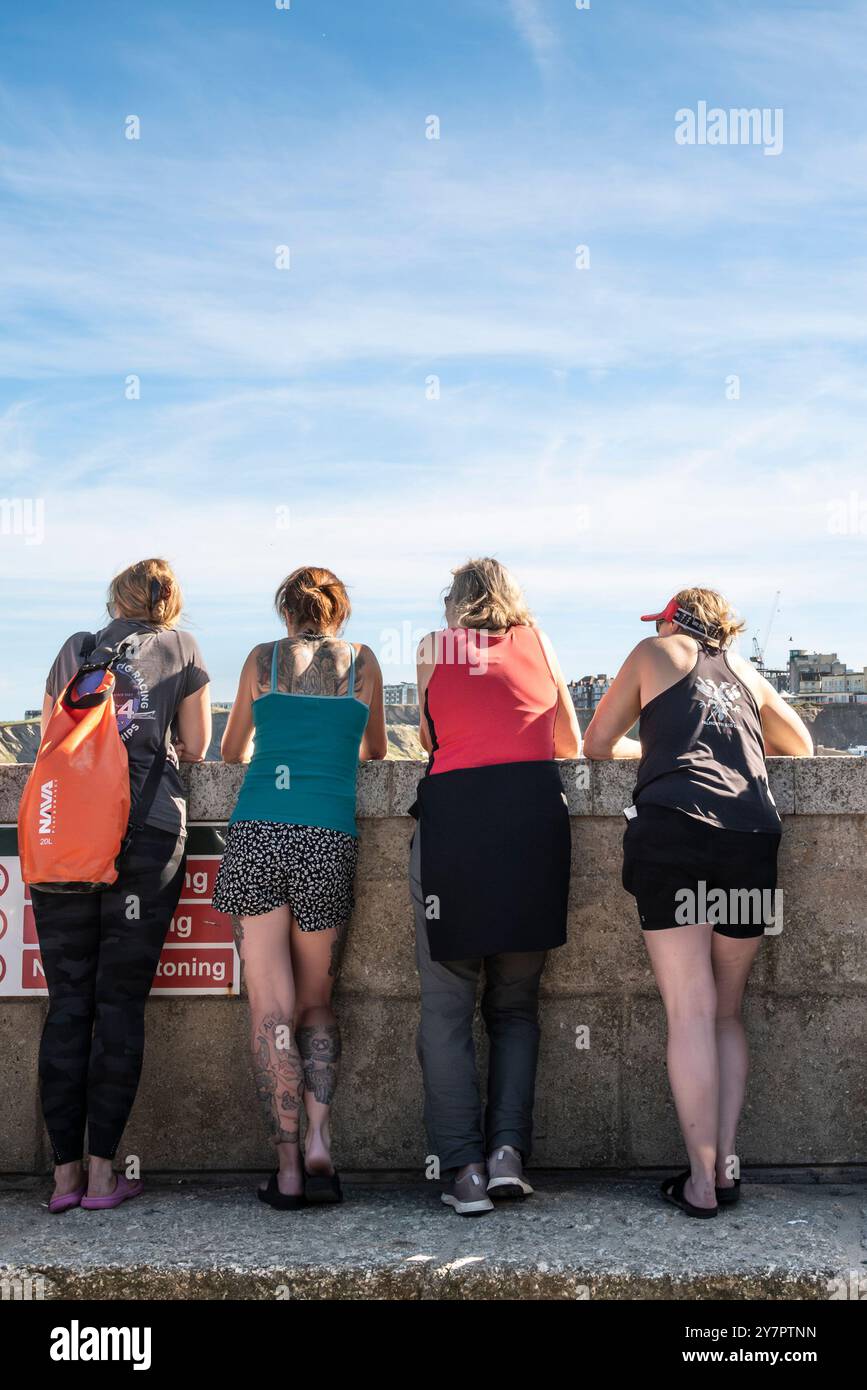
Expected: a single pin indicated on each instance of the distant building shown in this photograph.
(404, 693)
(779, 679)
(33, 714)
(823, 679)
(587, 692)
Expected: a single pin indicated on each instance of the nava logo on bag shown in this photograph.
(47, 806)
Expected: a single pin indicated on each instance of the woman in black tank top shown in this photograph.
(700, 858)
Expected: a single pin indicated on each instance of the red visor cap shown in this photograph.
(667, 614)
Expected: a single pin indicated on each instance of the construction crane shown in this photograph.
(760, 649)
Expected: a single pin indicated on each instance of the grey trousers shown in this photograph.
(446, 1051)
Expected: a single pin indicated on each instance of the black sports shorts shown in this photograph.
(681, 870)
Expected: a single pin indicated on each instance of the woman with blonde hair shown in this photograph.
(314, 704)
(100, 950)
(489, 873)
(700, 857)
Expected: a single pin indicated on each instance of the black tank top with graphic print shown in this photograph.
(703, 751)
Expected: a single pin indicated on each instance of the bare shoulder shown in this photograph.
(746, 672)
(638, 663)
(426, 652)
(548, 648)
(677, 652)
(649, 650)
(258, 663)
(365, 660)
(739, 663)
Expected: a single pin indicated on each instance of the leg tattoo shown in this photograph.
(279, 1078)
(337, 946)
(319, 1046)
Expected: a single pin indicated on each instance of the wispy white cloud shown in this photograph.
(535, 30)
(582, 430)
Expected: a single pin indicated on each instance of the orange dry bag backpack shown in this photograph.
(74, 818)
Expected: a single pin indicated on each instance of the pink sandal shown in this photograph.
(123, 1189)
(67, 1201)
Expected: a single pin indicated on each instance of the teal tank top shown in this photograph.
(305, 757)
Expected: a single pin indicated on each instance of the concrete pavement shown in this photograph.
(794, 1235)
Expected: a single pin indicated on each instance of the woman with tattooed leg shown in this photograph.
(314, 704)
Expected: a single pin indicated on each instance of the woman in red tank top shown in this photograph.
(489, 872)
(492, 697)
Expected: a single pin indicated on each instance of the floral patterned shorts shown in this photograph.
(268, 864)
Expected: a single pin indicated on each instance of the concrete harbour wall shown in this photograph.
(603, 1106)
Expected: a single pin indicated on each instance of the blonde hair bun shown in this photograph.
(130, 593)
(314, 598)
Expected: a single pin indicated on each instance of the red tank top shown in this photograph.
(491, 699)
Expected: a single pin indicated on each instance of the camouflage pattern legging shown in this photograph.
(100, 952)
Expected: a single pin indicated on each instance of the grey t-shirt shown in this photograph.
(164, 667)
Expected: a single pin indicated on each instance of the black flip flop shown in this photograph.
(322, 1188)
(273, 1197)
(727, 1196)
(672, 1191)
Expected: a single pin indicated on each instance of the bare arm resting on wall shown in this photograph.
(617, 711)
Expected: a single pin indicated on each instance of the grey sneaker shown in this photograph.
(506, 1174)
(467, 1196)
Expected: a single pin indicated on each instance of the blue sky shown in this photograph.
(583, 431)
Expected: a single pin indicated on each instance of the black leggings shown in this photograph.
(100, 952)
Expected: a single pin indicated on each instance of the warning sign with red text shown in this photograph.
(199, 955)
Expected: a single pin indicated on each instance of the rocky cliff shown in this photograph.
(20, 740)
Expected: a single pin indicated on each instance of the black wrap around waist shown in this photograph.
(495, 855)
